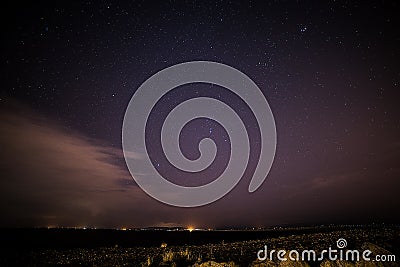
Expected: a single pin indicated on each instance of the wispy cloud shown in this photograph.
(51, 174)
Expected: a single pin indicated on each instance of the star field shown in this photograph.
(330, 72)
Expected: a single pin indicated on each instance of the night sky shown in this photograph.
(330, 72)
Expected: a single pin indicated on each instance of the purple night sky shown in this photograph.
(330, 73)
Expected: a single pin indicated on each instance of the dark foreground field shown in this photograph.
(78, 247)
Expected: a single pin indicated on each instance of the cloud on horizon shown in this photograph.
(54, 176)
